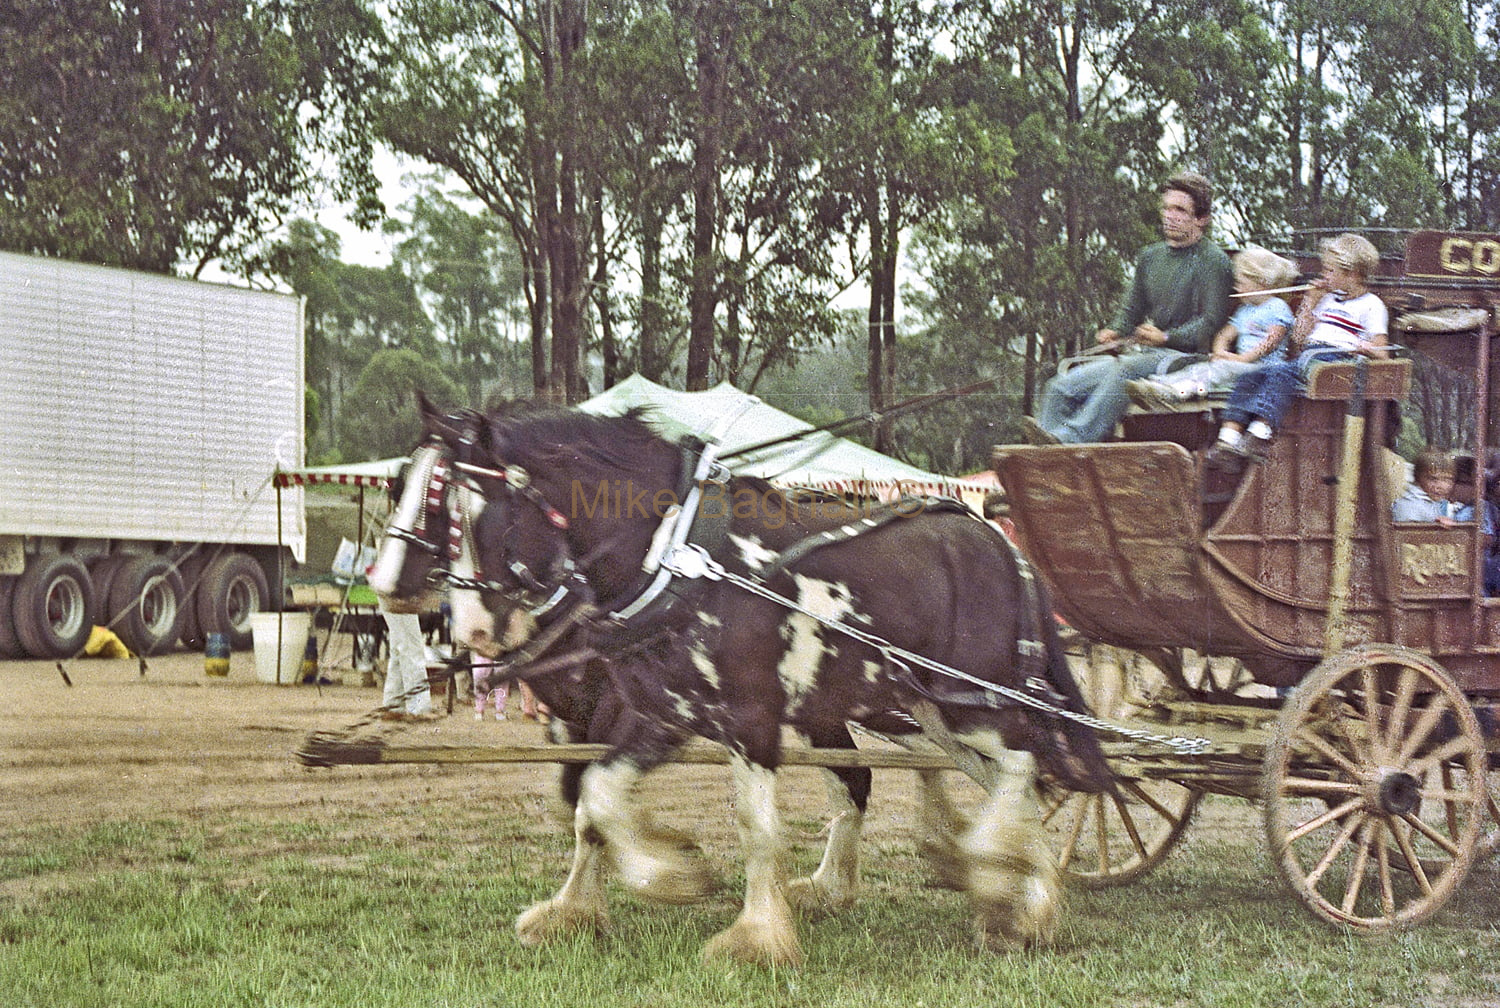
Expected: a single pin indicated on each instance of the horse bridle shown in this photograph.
(458, 490)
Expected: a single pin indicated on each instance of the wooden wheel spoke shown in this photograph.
(1318, 822)
(1356, 880)
(1374, 735)
(1416, 823)
(1414, 863)
(1075, 829)
(1334, 849)
(1450, 749)
(1420, 731)
(1149, 799)
(1101, 833)
(1383, 870)
(1314, 787)
(1322, 745)
(1406, 689)
(1128, 822)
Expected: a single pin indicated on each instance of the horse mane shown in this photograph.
(587, 445)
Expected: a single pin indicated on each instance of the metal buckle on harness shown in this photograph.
(692, 561)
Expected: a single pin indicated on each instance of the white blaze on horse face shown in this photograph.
(798, 668)
(385, 574)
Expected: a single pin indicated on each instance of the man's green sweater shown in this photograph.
(1183, 291)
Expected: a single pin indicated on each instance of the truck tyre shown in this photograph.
(190, 630)
(233, 587)
(10, 645)
(54, 606)
(146, 603)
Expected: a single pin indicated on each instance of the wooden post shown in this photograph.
(1345, 503)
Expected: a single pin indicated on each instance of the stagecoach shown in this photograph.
(1342, 669)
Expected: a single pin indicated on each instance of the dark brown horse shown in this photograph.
(730, 611)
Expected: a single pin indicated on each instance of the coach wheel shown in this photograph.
(53, 607)
(146, 604)
(1107, 840)
(1375, 788)
(233, 589)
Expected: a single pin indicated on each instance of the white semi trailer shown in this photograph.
(142, 418)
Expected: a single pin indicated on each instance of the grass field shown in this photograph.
(415, 908)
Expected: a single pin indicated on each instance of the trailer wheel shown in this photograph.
(53, 606)
(10, 644)
(1107, 840)
(233, 588)
(146, 603)
(1375, 788)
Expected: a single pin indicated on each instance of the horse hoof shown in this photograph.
(1015, 910)
(550, 920)
(674, 884)
(812, 899)
(756, 944)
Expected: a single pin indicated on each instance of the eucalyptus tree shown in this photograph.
(493, 92)
(352, 313)
(466, 268)
(1359, 98)
(148, 134)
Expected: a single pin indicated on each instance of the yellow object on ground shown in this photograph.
(103, 643)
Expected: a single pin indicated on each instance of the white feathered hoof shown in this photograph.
(665, 867)
(552, 919)
(1017, 901)
(757, 942)
(1011, 872)
(810, 898)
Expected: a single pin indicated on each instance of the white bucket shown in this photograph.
(294, 629)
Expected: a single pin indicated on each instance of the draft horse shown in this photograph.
(730, 611)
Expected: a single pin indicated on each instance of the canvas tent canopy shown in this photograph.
(806, 457)
(812, 458)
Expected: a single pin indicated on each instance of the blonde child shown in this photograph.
(1256, 332)
(1340, 318)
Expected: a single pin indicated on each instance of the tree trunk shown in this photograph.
(712, 43)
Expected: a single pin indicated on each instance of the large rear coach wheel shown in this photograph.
(1375, 788)
(1108, 840)
(145, 604)
(233, 588)
(53, 606)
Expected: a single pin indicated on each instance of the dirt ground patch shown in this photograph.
(119, 743)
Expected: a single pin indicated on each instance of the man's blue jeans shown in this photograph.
(1084, 403)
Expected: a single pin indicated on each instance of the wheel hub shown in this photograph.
(1397, 793)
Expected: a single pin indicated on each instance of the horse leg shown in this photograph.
(581, 904)
(654, 862)
(835, 884)
(765, 931)
(942, 825)
(1010, 872)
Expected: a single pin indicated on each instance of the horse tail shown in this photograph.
(1067, 748)
(1079, 760)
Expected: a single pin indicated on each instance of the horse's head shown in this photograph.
(420, 536)
(515, 571)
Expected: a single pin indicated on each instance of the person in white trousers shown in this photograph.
(406, 692)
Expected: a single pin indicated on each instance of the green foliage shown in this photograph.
(380, 416)
(147, 134)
